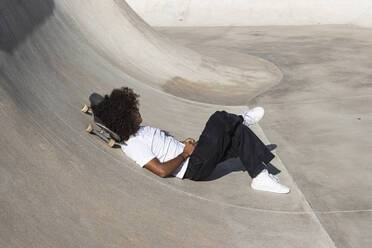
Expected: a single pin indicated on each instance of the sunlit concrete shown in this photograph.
(319, 115)
(60, 187)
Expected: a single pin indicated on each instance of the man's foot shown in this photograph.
(253, 116)
(268, 182)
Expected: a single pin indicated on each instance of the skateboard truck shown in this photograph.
(109, 141)
(110, 137)
(85, 109)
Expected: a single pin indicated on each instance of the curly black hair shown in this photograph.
(119, 112)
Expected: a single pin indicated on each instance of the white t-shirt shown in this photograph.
(150, 142)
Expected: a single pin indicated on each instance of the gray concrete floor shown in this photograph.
(319, 115)
(61, 187)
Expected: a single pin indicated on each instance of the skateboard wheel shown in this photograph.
(111, 143)
(85, 109)
(89, 129)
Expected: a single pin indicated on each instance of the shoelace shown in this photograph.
(271, 175)
(274, 177)
(248, 119)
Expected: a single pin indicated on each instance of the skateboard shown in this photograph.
(97, 127)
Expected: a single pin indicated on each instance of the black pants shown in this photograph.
(225, 136)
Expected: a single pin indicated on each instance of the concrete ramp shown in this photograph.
(60, 187)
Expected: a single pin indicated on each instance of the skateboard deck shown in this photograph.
(97, 127)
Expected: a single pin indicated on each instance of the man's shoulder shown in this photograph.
(142, 134)
(148, 130)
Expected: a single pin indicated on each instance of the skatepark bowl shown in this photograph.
(308, 63)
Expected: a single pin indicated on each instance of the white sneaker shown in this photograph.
(253, 116)
(268, 182)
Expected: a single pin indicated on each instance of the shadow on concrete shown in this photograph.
(235, 164)
(226, 167)
(19, 19)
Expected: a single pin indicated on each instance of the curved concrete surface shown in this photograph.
(319, 115)
(132, 45)
(253, 13)
(60, 187)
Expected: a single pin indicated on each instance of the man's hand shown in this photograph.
(189, 147)
(189, 140)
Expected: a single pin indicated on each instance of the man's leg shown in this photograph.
(250, 149)
(225, 136)
(213, 142)
(253, 153)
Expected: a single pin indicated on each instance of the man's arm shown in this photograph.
(166, 168)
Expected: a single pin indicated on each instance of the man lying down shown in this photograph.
(225, 135)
